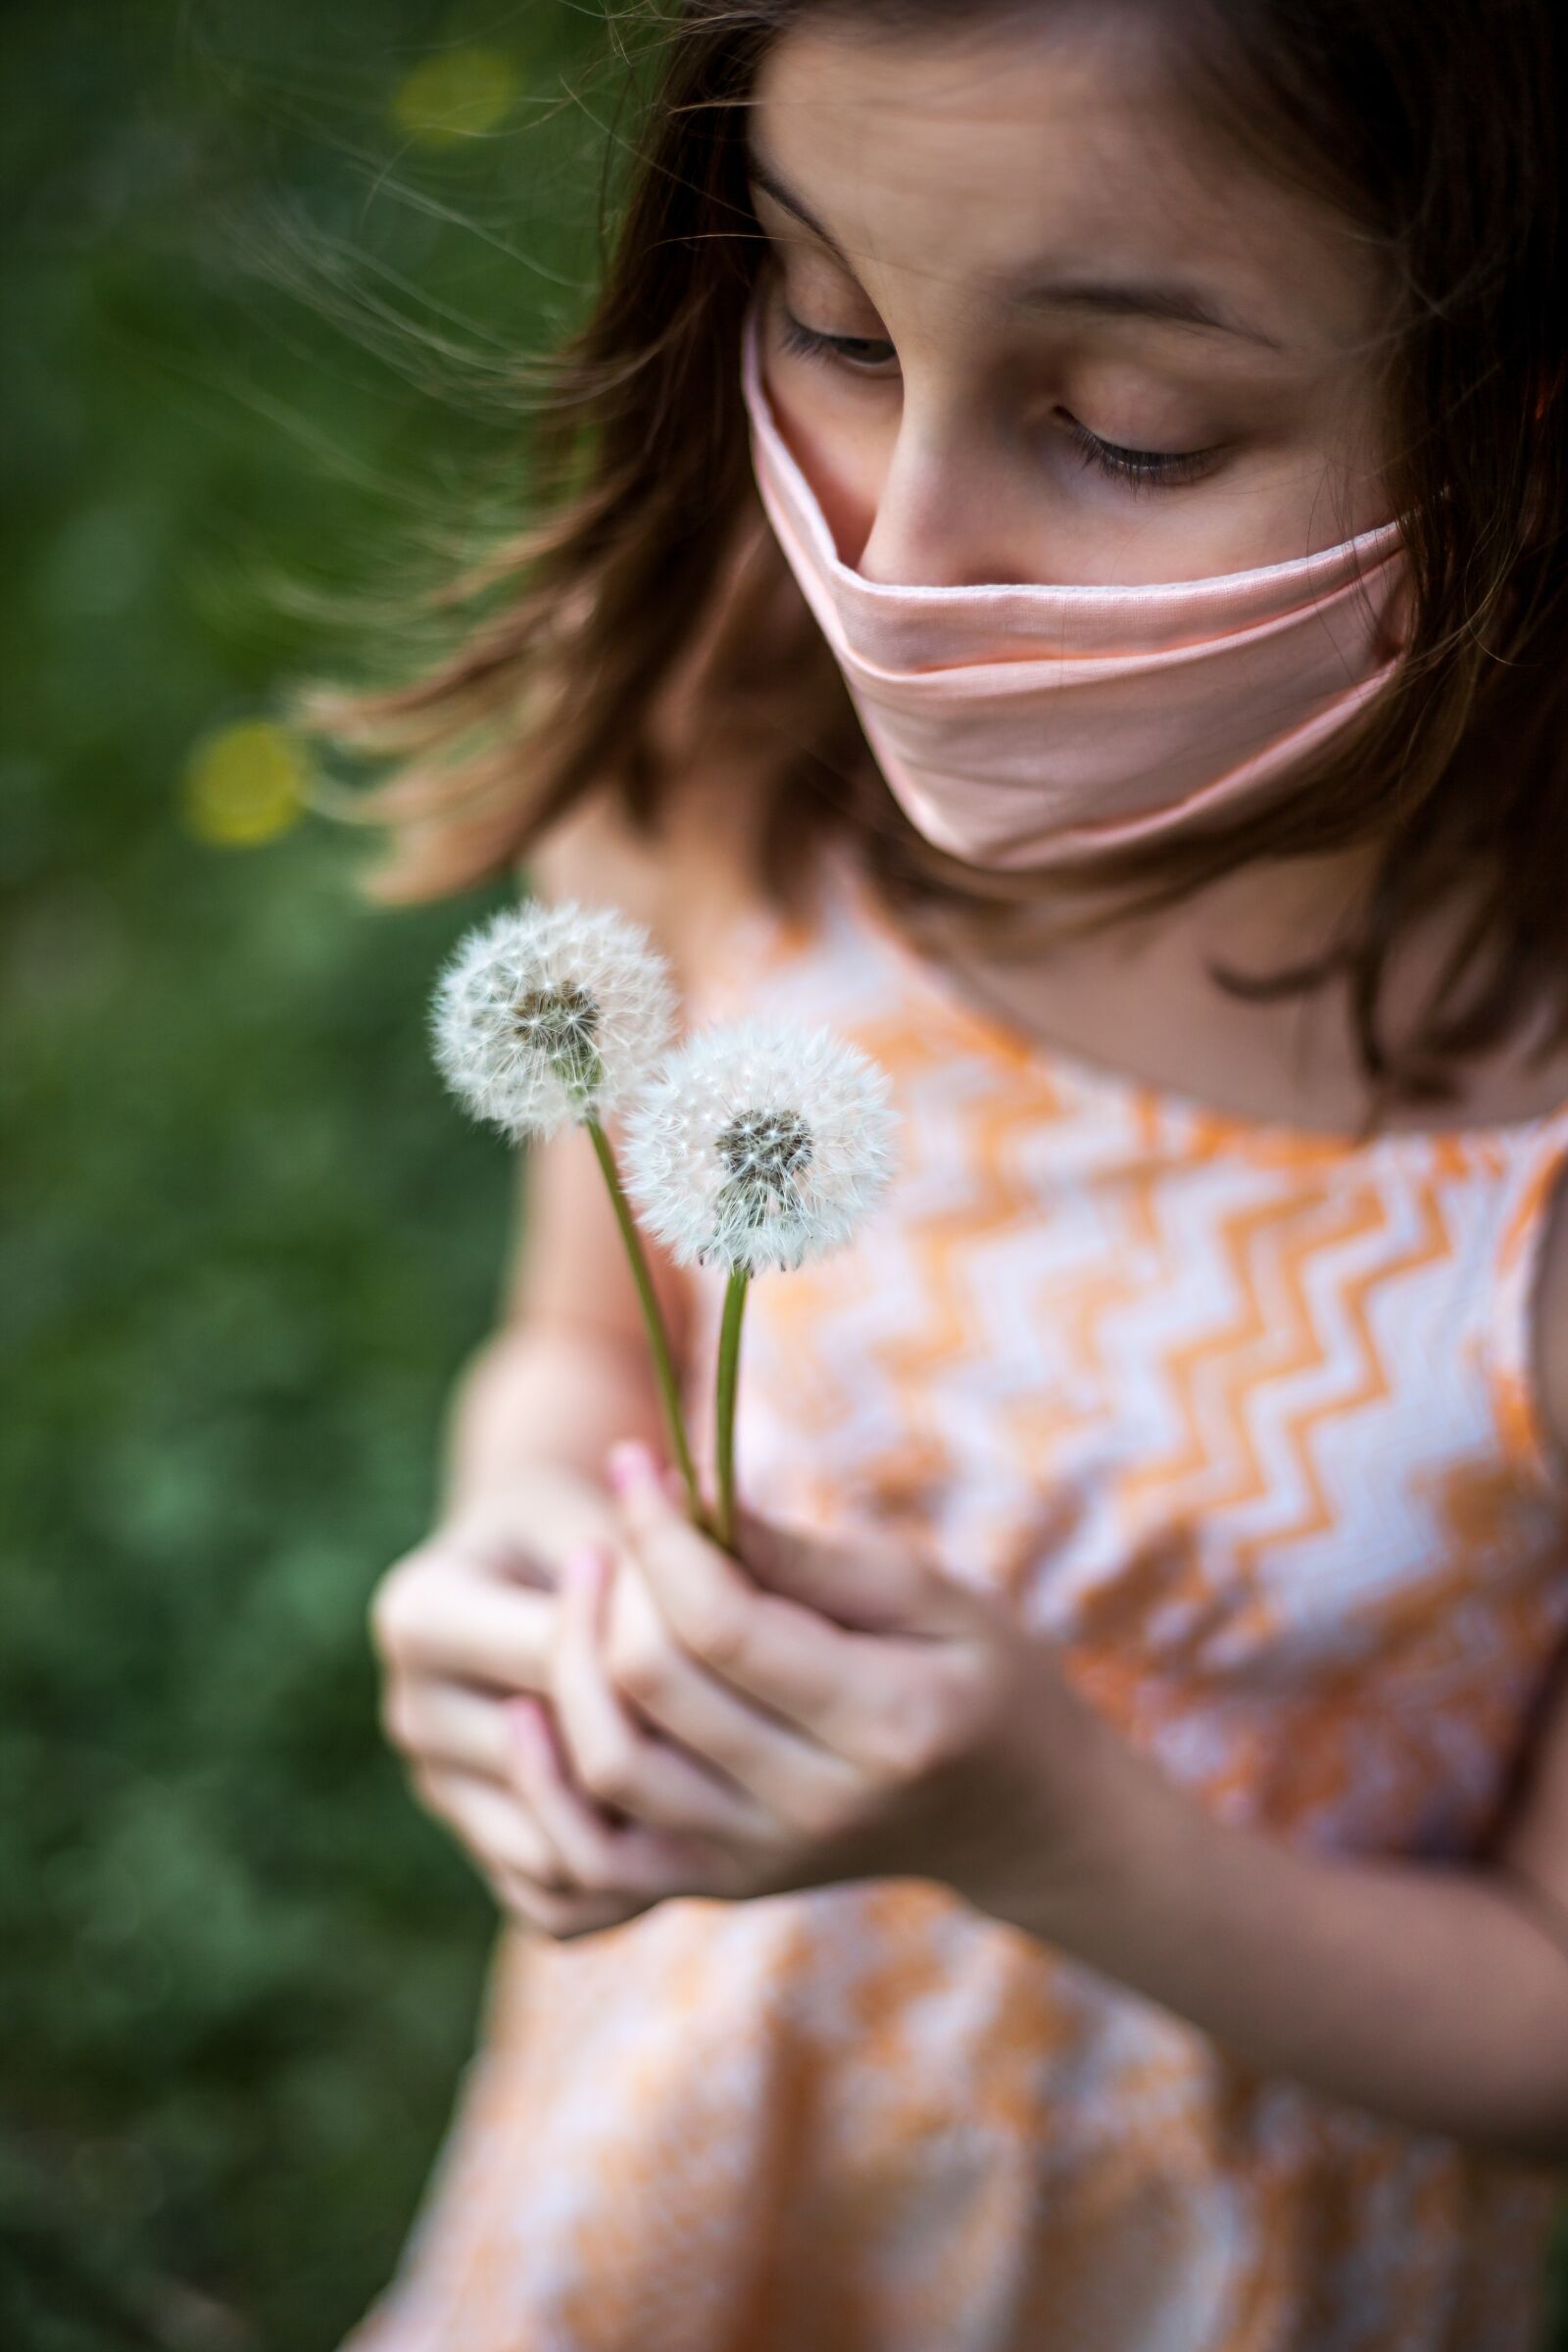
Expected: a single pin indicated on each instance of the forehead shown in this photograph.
(980, 160)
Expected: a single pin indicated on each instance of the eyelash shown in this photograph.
(1149, 467)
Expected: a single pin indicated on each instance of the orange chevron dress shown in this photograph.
(1243, 1417)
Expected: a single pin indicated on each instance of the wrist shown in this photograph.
(1124, 1838)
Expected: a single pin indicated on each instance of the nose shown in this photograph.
(940, 522)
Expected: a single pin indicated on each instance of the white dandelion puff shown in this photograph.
(760, 1144)
(547, 1017)
(550, 1014)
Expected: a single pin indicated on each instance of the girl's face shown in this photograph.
(1072, 341)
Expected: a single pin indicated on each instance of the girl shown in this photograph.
(1057, 570)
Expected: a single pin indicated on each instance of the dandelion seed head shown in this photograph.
(764, 1147)
(546, 1014)
(760, 1144)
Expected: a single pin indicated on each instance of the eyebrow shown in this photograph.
(1165, 299)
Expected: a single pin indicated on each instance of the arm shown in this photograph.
(1434, 1997)
(1438, 1996)
(941, 1745)
(467, 1621)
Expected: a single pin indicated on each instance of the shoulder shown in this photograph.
(684, 880)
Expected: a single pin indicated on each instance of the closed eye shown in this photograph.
(1138, 468)
(1158, 467)
(810, 345)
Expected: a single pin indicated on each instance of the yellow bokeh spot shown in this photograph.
(244, 784)
(457, 95)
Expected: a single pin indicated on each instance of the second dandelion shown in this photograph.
(757, 1145)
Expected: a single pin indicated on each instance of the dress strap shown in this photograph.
(1532, 1196)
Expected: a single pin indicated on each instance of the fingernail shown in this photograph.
(632, 1468)
(522, 1717)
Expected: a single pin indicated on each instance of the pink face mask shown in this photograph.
(1026, 726)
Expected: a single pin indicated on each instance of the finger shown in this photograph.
(437, 1723)
(609, 1751)
(770, 1648)
(779, 1767)
(869, 1587)
(494, 1824)
(453, 1622)
(599, 1859)
(610, 1744)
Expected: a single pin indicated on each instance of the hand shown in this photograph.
(816, 1714)
(462, 1624)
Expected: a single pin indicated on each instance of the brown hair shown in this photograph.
(649, 614)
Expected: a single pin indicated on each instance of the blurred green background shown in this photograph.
(247, 1237)
(265, 269)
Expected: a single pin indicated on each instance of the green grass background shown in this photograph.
(246, 1240)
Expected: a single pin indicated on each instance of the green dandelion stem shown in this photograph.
(729, 1364)
(663, 1361)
